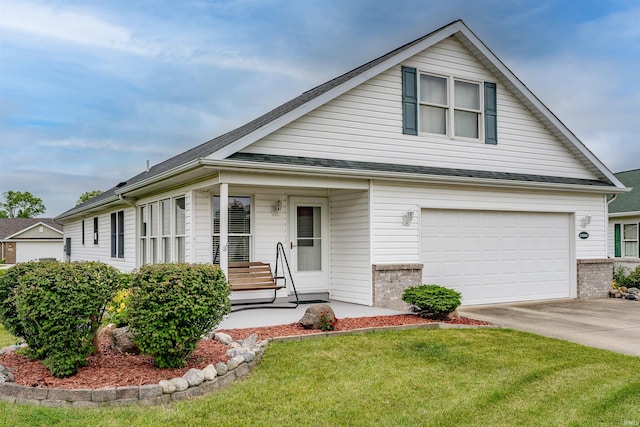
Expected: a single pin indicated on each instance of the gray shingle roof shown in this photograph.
(11, 226)
(627, 202)
(213, 145)
(411, 169)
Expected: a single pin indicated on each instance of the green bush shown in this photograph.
(623, 278)
(8, 284)
(432, 301)
(172, 306)
(59, 307)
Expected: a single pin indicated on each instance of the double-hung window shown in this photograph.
(627, 240)
(438, 109)
(163, 231)
(448, 106)
(180, 228)
(117, 234)
(239, 228)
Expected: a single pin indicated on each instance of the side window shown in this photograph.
(117, 234)
(95, 230)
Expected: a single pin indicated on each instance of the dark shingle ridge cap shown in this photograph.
(413, 169)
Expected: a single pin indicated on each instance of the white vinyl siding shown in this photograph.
(365, 124)
(350, 265)
(102, 251)
(394, 242)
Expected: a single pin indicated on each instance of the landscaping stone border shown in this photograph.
(161, 393)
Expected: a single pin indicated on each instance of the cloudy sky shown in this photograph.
(91, 89)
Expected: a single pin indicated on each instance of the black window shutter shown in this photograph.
(490, 114)
(409, 101)
(114, 235)
(617, 241)
(83, 231)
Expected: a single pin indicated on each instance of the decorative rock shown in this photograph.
(221, 368)
(180, 383)
(167, 386)
(235, 345)
(249, 356)
(194, 377)
(5, 375)
(209, 372)
(232, 364)
(236, 351)
(238, 359)
(123, 341)
(634, 291)
(453, 315)
(631, 297)
(311, 318)
(250, 341)
(223, 338)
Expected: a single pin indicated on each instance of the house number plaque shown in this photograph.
(583, 235)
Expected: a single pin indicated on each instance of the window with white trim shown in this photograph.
(450, 106)
(117, 234)
(161, 240)
(239, 248)
(630, 240)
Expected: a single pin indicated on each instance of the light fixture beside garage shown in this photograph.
(408, 217)
(586, 220)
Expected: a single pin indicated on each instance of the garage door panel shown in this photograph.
(495, 257)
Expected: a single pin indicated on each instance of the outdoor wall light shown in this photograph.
(586, 220)
(277, 207)
(407, 218)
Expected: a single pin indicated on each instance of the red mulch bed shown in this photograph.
(108, 368)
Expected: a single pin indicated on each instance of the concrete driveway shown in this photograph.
(611, 324)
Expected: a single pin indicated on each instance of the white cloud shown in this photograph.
(69, 26)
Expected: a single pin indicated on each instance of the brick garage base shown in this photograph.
(389, 280)
(594, 277)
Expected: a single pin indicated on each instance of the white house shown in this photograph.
(624, 218)
(28, 239)
(433, 163)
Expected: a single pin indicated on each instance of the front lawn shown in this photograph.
(476, 377)
(6, 338)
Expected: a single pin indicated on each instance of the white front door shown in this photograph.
(309, 243)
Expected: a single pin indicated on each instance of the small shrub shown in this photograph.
(172, 306)
(327, 322)
(60, 306)
(432, 301)
(623, 278)
(117, 308)
(8, 284)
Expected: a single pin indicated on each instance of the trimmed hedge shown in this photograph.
(172, 306)
(58, 308)
(432, 301)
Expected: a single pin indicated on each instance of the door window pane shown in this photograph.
(309, 243)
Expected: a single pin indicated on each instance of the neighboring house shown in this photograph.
(28, 239)
(624, 218)
(430, 164)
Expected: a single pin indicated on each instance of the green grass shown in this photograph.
(481, 377)
(6, 338)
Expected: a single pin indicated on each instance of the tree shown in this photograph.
(21, 205)
(88, 195)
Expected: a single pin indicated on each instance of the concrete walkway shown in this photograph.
(281, 316)
(610, 324)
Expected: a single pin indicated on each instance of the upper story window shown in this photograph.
(450, 106)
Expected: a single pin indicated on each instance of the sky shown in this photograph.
(92, 89)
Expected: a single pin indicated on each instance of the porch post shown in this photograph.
(224, 228)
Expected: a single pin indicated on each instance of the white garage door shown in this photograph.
(29, 251)
(496, 257)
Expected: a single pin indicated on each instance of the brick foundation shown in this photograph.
(389, 280)
(594, 277)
